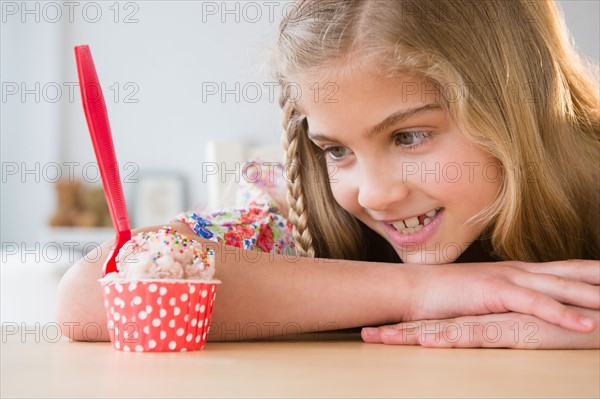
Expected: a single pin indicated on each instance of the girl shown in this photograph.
(469, 88)
(426, 133)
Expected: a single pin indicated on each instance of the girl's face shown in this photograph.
(399, 164)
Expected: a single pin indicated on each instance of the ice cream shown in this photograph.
(162, 297)
(164, 254)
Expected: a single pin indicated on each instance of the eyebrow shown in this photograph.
(391, 120)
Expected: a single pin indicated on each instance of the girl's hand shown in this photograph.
(537, 289)
(504, 330)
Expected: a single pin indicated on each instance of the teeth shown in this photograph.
(399, 225)
(412, 225)
(412, 222)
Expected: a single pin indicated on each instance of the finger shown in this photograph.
(587, 271)
(401, 334)
(466, 332)
(562, 289)
(370, 335)
(479, 333)
(487, 332)
(524, 300)
(377, 335)
(413, 333)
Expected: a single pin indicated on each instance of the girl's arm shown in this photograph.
(265, 295)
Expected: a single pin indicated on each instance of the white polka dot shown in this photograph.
(146, 330)
(163, 313)
(106, 303)
(172, 345)
(201, 323)
(204, 293)
(202, 309)
(139, 348)
(119, 287)
(159, 301)
(152, 288)
(180, 332)
(197, 307)
(117, 344)
(189, 337)
(125, 334)
(107, 289)
(162, 291)
(197, 338)
(137, 300)
(132, 286)
(148, 309)
(183, 297)
(212, 289)
(172, 301)
(194, 322)
(123, 319)
(117, 301)
(116, 316)
(183, 350)
(186, 317)
(152, 344)
(112, 310)
(156, 322)
(163, 335)
(117, 331)
(136, 335)
(192, 289)
(172, 323)
(176, 311)
(142, 315)
(111, 324)
(126, 348)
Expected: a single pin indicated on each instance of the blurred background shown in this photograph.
(175, 76)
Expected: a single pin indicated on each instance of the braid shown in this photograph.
(298, 214)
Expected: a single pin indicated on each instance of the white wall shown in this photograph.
(28, 129)
(167, 54)
(162, 60)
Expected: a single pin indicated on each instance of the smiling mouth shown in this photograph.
(415, 224)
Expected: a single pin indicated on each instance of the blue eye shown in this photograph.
(336, 153)
(410, 140)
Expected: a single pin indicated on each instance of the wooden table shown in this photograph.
(45, 366)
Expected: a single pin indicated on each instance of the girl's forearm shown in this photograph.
(275, 295)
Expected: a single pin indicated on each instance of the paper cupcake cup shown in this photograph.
(158, 315)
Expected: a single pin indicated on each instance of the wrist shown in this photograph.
(404, 295)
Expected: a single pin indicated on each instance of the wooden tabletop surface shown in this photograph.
(41, 365)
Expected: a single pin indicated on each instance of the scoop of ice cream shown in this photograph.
(164, 254)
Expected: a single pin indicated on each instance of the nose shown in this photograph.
(381, 186)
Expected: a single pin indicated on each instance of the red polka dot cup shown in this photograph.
(158, 315)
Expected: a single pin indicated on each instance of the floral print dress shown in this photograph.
(255, 223)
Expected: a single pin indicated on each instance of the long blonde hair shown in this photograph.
(510, 79)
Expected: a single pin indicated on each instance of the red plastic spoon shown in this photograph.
(97, 120)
